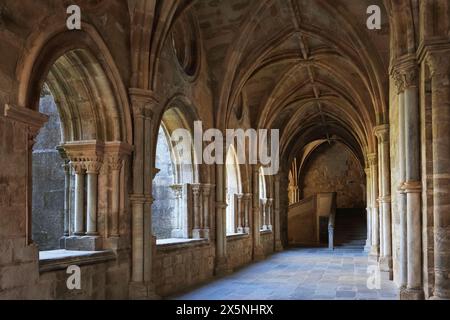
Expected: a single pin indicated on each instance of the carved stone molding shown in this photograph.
(144, 102)
(30, 118)
(412, 187)
(382, 133)
(372, 158)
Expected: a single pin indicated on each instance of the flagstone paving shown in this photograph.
(302, 274)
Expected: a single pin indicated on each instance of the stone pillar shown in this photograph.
(263, 212)
(247, 207)
(197, 212)
(257, 247)
(221, 226)
(401, 195)
(67, 183)
(374, 252)
(115, 164)
(141, 286)
(413, 185)
(78, 168)
(92, 171)
(278, 246)
(382, 133)
(269, 214)
(368, 209)
(239, 213)
(206, 195)
(439, 63)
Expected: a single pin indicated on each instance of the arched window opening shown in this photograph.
(235, 222)
(49, 171)
(77, 160)
(181, 204)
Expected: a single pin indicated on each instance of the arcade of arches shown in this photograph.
(90, 176)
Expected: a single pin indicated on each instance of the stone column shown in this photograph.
(368, 209)
(257, 247)
(277, 221)
(206, 195)
(115, 165)
(269, 214)
(238, 208)
(92, 170)
(197, 211)
(263, 211)
(374, 252)
(439, 63)
(221, 213)
(247, 200)
(78, 168)
(382, 133)
(413, 185)
(141, 286)
(401, 195)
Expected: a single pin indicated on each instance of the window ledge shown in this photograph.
(174, 244)
(237, 236)
(61, 259)
(266, 231)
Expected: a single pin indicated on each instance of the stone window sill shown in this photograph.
(237, 236)
(61, 259)
(175, 244)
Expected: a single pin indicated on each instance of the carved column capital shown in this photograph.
(77, 167)
(93, 166)
(382, 133)
(373, 159)
(439, 64)
(144, 102)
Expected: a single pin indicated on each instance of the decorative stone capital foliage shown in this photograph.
(77, 167)
(196, 188)
(406, 72)
(93, 166)
(439, 64)
(207, 189)
(144, 102)
(382, 133)
(116, 153)
(373, 159)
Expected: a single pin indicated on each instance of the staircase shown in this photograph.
(350, 229)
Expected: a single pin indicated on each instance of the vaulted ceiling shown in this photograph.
(310, 68)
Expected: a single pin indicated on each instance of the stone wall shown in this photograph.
(267, 243)
(180, 267)
(333, 168)
(239, 249)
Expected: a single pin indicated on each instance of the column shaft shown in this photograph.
(79, 200)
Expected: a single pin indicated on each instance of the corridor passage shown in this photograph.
(301, 274)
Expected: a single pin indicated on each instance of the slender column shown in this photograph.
(240, 227)
(277, 237)
(92, 170)
(115, 164)
(375, 223)
(439, 63)
(257, 247)
(197, 211)
(78, 168)
(368, 209)
(269, 214)
(263, 212)
(247, 199)
(206, 200)
(221, 212)
(413, 184)
(401, 195)
(142, 241)
(382, 133)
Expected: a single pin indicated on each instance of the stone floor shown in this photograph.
(302, 274)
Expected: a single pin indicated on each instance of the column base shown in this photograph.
(411, 294)
(200, 233)
(278, 246)
(373, 255)
(142, 291)
(368, 246)
(385, 265)
(84, 243)
(439, 295)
